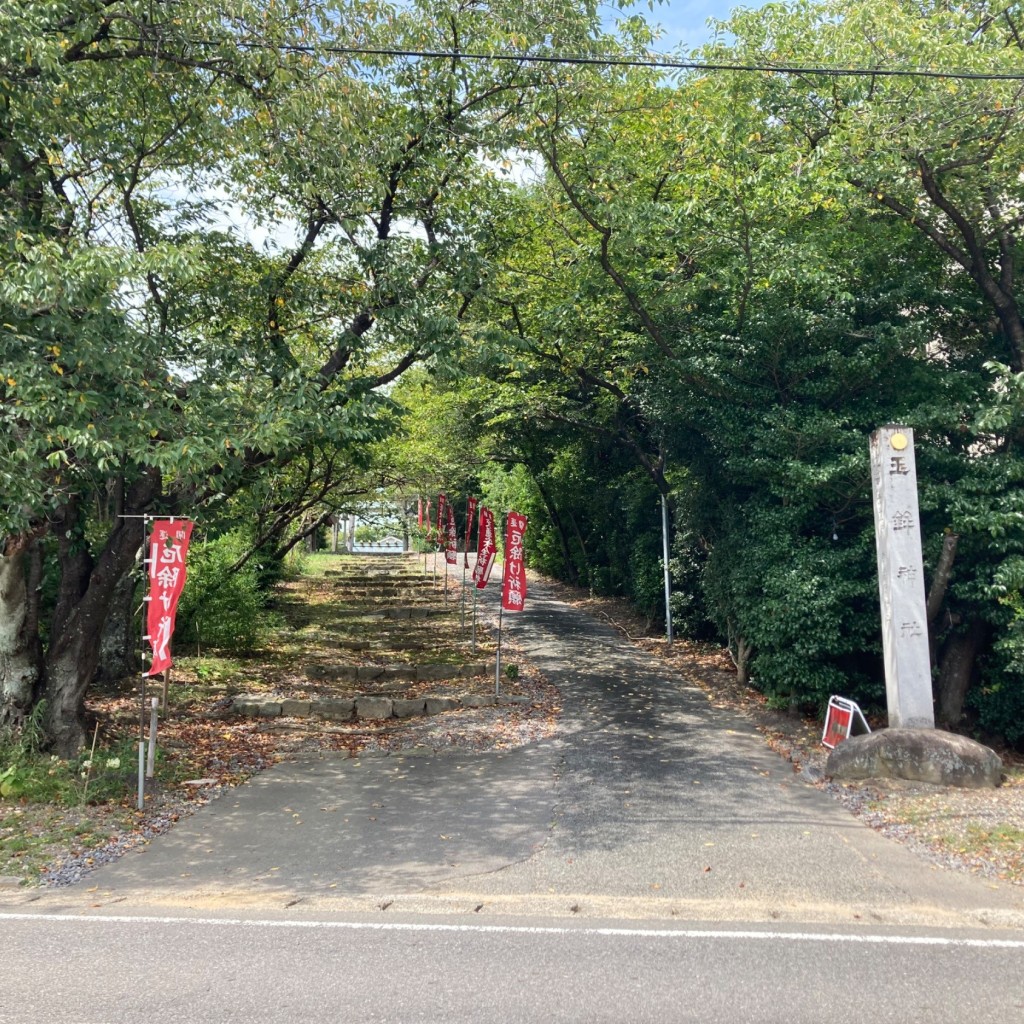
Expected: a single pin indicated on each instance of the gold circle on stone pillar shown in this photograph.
(898, 441)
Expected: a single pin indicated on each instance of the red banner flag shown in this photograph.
(470, 520)
(419, 513)
(442, 501)
(513, 590)
(487, 548)
(451, 536)
(168, 546)
(430, 521)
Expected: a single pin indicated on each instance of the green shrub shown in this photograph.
(218, 607)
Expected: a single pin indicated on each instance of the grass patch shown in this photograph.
(33, 836)
(1006, 836)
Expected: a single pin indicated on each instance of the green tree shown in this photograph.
(154, 357)
(715, 271)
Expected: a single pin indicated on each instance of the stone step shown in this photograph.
(368, 707)
(432, 673)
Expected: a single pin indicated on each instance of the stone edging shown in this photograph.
(433, 673)
(367, 707)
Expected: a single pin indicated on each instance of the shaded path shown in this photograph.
(650, 803)
(666, 804)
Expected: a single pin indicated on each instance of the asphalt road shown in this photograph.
(253, 970)
(258, 970)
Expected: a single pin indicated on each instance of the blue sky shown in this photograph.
(685, 21)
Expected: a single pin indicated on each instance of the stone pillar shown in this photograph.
(908, 678)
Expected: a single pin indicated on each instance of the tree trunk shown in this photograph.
(956, 672)
(943, 571)
(120, 642)
(741, 658)
(75, 564)
(584, 557)
(74, 651)
(563, 538)
(19, 655)
(937, 592)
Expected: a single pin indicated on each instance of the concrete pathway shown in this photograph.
(651, 803)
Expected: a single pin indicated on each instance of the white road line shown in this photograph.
(639, 933)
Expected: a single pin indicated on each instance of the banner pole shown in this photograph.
(463, 601)
(151, 753)
(142, 775)
(145, 574)
(497, 658)
(142, 682)
(501, 608)
(474, 620)
(668, 575)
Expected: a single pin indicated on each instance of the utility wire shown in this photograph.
(680, 65)
(655, 62)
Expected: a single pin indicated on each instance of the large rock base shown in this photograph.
(919, 755)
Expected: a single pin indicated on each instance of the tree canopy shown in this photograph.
(261, 256)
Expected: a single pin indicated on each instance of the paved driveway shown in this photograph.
(650, 803)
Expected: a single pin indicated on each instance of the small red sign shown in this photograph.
(842, 719)
(837, 727)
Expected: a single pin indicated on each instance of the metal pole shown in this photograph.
(474, 620)
(497, 658)
(501, 606)
(463, 602)
(151, 756)
(668, 577)
(142, 687)
(145, 636)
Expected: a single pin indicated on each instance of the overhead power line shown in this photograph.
(835, 71)
(655, 61)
